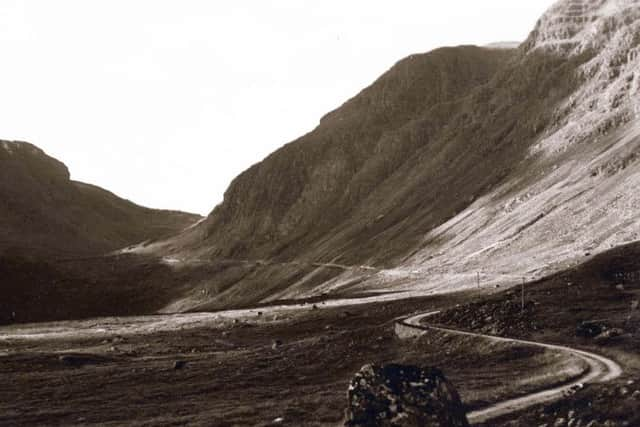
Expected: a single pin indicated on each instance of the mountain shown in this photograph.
(55, 235)
(504, 162)
(459, 167)
(337, 181)
(44, 213)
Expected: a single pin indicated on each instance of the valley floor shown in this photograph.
(289, 366)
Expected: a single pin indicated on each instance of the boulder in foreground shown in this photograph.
(403, 396)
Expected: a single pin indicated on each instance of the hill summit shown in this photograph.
(44, 213)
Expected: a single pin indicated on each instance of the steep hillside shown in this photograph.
(462, 160)
(314, 188)
(43, 212)
(576, 196)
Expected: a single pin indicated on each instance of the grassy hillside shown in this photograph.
(43, 212)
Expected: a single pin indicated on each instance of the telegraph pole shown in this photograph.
(523, 295)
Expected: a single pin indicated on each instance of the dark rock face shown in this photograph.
(396, 395)
(79, 360)
(590, 329)
(179, 364)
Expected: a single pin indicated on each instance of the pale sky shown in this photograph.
(164, 102)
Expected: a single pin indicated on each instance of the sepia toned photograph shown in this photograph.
(320, 214)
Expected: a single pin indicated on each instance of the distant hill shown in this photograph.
(43, 212)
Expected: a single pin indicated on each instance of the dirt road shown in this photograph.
(601, 369)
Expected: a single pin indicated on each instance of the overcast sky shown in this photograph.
(165, 102)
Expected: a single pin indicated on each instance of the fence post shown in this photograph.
(523, 280)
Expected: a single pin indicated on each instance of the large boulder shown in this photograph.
(403, 396)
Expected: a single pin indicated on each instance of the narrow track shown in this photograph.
(601, 369)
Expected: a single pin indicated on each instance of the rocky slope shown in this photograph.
(356, 190)
(463, 160)
(299, 195)
(575, 197)
(43, 212)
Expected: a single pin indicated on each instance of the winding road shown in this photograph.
(601, 369)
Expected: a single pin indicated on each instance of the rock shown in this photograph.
(636, 395)
(118, 340)
(590, 329)
(278, 420)
(635, 304)
(403, 396)
(78, 360)
(179, 364)
(276, 344)
(608, 334)
(620, 288)
(560, 422)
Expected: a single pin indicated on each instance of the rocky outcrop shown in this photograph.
(403, 396)
(609, 32)
(575, 25)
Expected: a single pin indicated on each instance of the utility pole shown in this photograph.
(523, 295)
